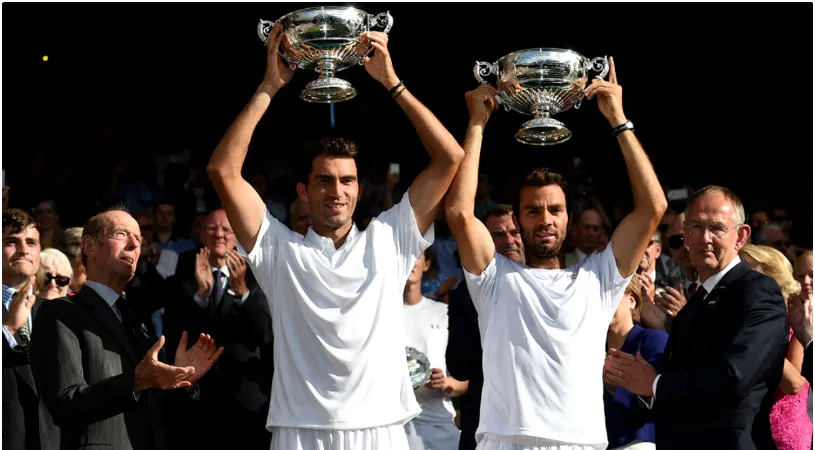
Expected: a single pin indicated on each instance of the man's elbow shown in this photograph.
(456, 214)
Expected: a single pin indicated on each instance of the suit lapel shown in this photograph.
(102, 312)
(688, 317)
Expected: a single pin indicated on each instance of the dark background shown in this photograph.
(719, 93)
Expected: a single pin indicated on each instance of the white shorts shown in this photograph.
(432, 436)
(391, 437)
(492, 441)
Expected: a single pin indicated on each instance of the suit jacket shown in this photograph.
(463, 359)
(721, 366)
(26, 422)
(235, 393)
(84, 363)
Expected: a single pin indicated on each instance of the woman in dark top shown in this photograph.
(628, 424)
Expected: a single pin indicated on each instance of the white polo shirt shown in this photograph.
(543, 334)
(339, 347)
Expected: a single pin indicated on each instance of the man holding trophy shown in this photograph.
(341, 379)
(542, 325)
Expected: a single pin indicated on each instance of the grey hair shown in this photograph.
(761, 235)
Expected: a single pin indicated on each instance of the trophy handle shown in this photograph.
(264, 29)
(500, 99)
(599, 64)
(483, 69)
(383, 20)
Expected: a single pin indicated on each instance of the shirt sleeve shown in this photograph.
(264, 255)
(612, 284)
(9, 338)
(410, 243)
(482, 287)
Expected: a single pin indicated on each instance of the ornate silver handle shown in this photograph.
(599, 64)
(483, 69)
(383, 20)
(264, 29)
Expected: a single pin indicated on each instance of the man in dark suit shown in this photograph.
(98, 369)
(216, 295)
(464, 342)
(26, 422)
(725, 353)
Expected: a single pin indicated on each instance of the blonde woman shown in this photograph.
(54, 276)
(789, 421)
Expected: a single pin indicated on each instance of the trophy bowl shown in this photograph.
(541, 82)
(418, 367)
(325, 39)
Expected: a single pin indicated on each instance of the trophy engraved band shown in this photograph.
(418, 367)
(326, 39)
(541, 82)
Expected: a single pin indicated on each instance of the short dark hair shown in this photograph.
(430, 255)
(498, 211)
(328, 146)
(538, 177)
(16, 220)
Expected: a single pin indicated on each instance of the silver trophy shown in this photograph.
(418, 367)
(326, 39)
(541, 82)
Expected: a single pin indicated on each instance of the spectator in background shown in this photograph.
(587, 231)
(70, 244)
(758, 219)
(773, 236)
(45, 213)
(789, 421)
(164, 229)
(260, 181)
(628, 425)
(54, 276)
(299, 219)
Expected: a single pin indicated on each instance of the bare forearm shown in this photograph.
(459, 387)
(228, 158)
(440, 144)
(648, 195)
(791, 380)
(461, 198)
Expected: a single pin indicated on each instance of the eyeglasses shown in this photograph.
(123, 235)
(698, 229)
(676, 241)
(61, 280)
(212, 228)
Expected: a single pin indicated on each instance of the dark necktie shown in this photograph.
(127, 319)
(218, 288)
(692, 289)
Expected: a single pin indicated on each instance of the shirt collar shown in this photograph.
(108, 295)
(326, 244)
(711, 282)
(223, 269)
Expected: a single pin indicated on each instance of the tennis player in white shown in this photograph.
(341, 379)
(543, 326)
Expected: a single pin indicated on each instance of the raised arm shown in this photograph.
(242, 204)
(429, 187)
(635, 230)
(475, 246)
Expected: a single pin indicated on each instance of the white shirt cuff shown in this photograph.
(242, 298)
(201, 302)
(9, 337)
(649, 403)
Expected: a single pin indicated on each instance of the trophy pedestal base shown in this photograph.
(328, 90)
(543, 131)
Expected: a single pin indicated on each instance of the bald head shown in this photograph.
(588, 231)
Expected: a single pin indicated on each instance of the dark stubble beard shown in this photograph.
(539, 252)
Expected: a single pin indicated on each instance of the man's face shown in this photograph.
(649, 259)
(46, 215)
(165, 217)
(218, 236)
(543, 220)
(759, 218)
(676, 235)
(421, 266)
(118, 249)
(301, 220)
(507, 237)
(803, 273)
(712, 236)
(776, 239)
(21, 254)
(332, 192)
(589, 230)
(146, 227)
